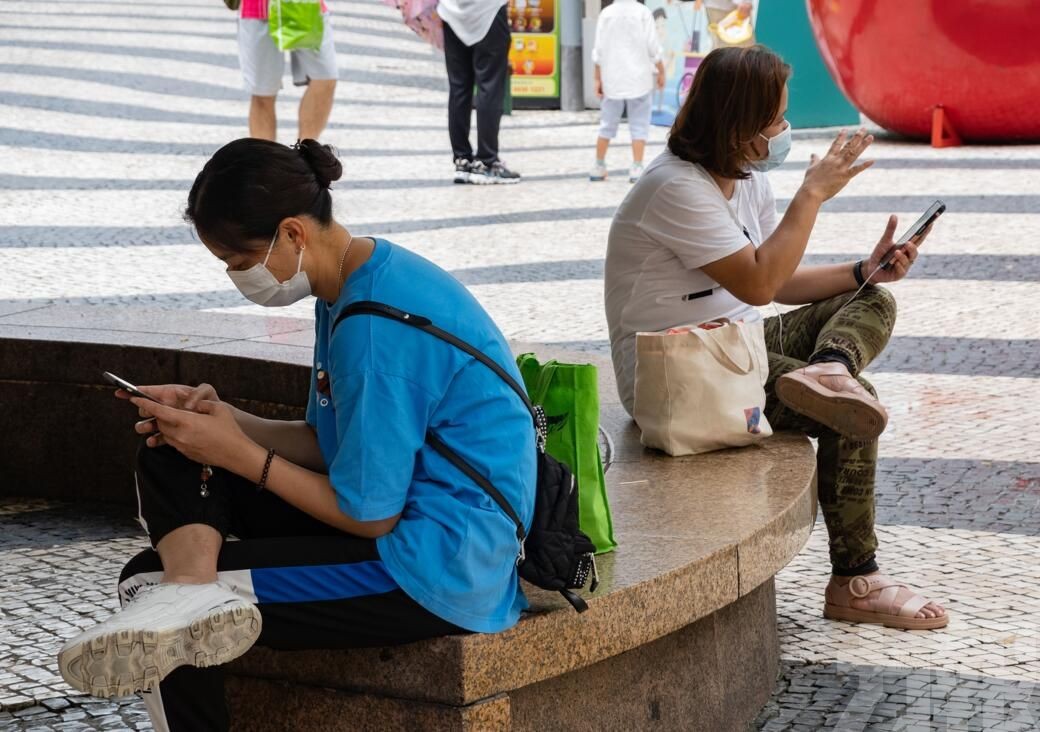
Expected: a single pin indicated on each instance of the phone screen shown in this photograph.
(126, 386)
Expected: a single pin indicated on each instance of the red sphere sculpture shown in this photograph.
(899, 59)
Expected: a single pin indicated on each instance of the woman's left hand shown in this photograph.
(902, 258)
(209, 435)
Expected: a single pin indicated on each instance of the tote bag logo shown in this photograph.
(753, 417)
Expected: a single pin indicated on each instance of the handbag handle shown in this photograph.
(719, 351)
(544, 379)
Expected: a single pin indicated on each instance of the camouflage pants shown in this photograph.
(845, 468)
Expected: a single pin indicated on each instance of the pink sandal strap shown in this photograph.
(859, 587)
(913, 606)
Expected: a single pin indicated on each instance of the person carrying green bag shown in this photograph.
(266, 30)
(569, 395)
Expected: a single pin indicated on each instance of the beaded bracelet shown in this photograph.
(267, 467)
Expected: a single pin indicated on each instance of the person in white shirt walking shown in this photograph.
(476, 52)
(626, 54)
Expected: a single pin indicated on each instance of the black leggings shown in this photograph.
(315, 586)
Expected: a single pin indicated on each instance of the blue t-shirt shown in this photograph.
(377, 386)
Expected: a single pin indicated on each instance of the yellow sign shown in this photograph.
(533, 53)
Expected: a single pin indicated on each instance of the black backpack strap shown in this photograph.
(459, 462)
(577, 601)
(381, 310)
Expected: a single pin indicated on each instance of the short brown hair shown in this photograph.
(735, 95)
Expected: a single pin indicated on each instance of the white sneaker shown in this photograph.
(598, 172)
(635, 172)
(164, 627)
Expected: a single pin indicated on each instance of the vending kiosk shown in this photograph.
(535, 53)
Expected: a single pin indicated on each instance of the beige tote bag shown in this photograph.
(702, 390)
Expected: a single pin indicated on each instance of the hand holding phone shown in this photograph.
(134, 391)
(127, 386)
(916, 229)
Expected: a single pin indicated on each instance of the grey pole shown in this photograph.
(572, 97)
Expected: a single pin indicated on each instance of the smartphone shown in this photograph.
(127, 386)
(934, 211)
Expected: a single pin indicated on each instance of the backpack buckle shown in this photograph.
(523, 553)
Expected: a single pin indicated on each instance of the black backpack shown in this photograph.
(555, 554)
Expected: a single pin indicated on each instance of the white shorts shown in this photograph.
(263, 64)
(639, 110)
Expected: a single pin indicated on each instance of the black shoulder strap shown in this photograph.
(370, 307)
(459, 462)
(378, 309)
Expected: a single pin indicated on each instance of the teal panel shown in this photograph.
(815, 100)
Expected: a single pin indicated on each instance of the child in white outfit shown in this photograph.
(626, 53)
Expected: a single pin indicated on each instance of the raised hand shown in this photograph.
(829, 174)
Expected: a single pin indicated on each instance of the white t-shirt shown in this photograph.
(674, 221)
(469, 19)
(626, 49)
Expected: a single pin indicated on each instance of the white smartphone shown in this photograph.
(127, 386)
(934, 211)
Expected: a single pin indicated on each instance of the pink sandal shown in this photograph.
(838, 605)
(849, 410)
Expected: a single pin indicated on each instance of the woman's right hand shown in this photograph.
(829, 174)
(178, 396)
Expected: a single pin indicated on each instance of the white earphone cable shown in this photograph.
(780, 317)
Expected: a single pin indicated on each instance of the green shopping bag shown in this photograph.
(569, 394)
(295, 24)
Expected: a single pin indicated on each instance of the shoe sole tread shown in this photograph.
(848, 416)
(107, 665)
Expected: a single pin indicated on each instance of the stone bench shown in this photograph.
(680, 635)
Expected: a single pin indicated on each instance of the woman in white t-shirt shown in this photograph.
(698, 239)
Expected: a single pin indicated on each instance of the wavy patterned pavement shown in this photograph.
(107, 111)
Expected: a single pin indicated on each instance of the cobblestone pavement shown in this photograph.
(107, 111)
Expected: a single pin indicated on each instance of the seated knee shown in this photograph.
(884, 297)
(152, 460)
(145, 456)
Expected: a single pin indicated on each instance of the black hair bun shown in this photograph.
(322, 160)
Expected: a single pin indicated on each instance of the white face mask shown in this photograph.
(259, 284)
(778, 147)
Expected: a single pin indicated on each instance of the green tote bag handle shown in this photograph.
(545, 377)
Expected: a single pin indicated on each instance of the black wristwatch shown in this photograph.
(857, 272)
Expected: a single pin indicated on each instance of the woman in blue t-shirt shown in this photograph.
(352, 530)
